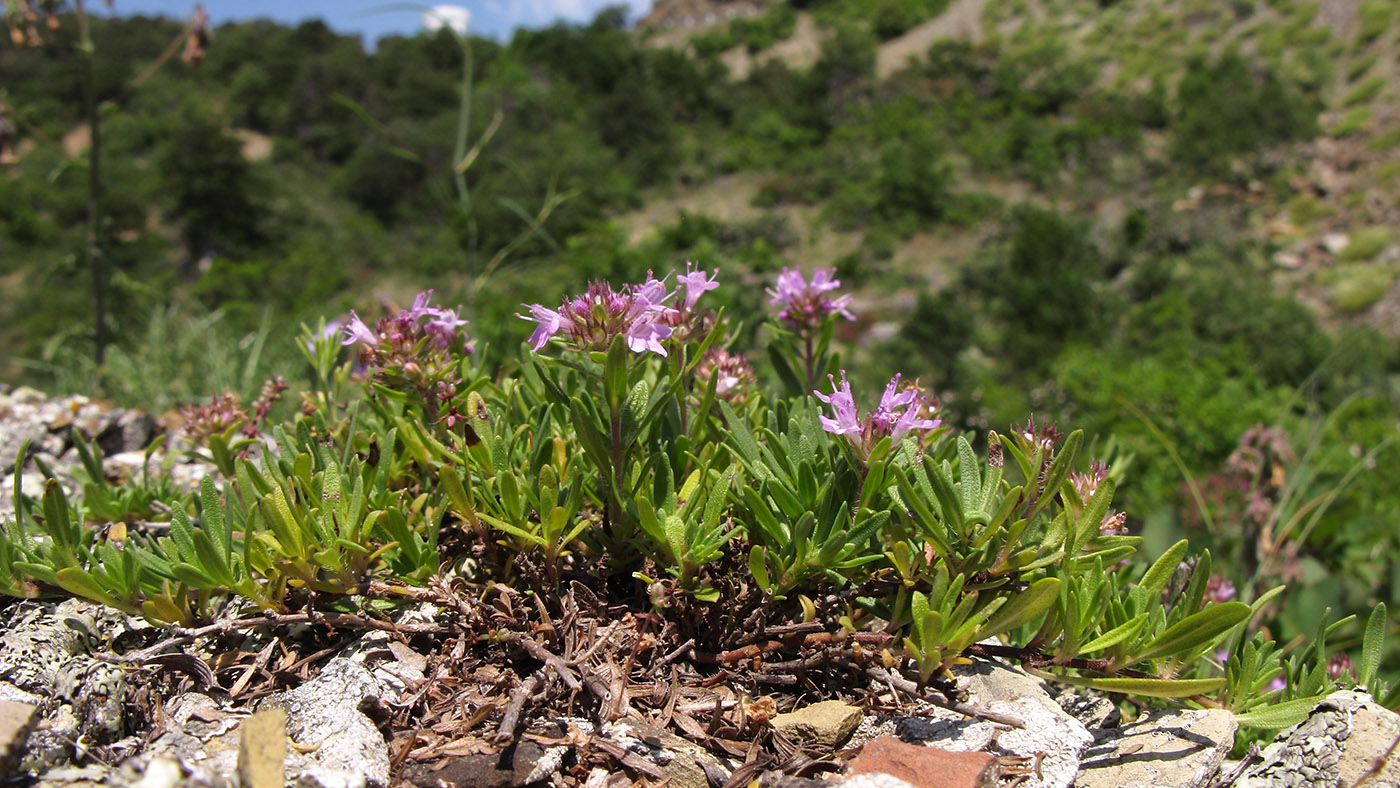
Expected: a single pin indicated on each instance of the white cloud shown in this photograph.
(453, 16)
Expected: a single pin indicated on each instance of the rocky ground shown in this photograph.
(91, 697)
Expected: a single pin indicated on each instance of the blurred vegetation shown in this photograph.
(294, 172)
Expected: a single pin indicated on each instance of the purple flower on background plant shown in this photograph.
(591, 321)
(696, 284)
(399, 334)
(356, 331)
(1278, 683)
(1219, 589)
(805, 304)
(896, 416)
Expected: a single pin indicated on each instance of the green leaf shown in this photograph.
(587, 429)
(1372, 646)
(1089, 522)
(1149, 588)
(510, 496)
(1022, 608)
(210, 560)
(79, 582)
(1151, 688)
(749, 451)
(714, 506)
(1280, 715)
(707, 595)
(917, 507)
(615, 373)
(1195, 631)
(969, 477)
(1123, 632)
(520, 533)
(758, 567)
(451, 482)
(212, 517)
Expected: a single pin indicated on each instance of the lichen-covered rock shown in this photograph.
(45, 660)
(1171, 748)
(334, 743)
(1048, 748)
(1347, 737)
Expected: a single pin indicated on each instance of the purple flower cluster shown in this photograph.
(222, 414)
(639, 313)
(806, 304)
(898, 413)
(735, 373)
(409, 330)
(417, 350)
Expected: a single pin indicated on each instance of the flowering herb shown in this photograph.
(591, 321)
(417, 353)
(898, 413)
(653, 456)
(806, 305)
(398, 336)
(803, 327)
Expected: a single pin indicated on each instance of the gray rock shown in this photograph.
(828, 723)
(1346, 739)
(685, 764)
(132, 430)
(12, 438)
(1052, 738)
(200, 735)
(1095, 711)
(334, 744)
(45, 660)
(1171, 747)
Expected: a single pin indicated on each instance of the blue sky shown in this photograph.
(376, 18)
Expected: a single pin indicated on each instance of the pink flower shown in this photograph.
(896, 416)
(734, 372)
(357, 331)
(591, 321)
(805, 305)
(549, 322)
(696, 284)
(847, 421)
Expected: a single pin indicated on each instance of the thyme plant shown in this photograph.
(629, 449)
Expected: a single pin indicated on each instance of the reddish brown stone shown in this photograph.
(925, 767)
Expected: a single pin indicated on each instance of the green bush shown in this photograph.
(1364, 91)
(761, 32)
(1366, 244)
(1351, 123)
(1355, 288)
(1228, 108)
(1375, 19)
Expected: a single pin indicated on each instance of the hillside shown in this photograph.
(1170, 223)
(1342, 182)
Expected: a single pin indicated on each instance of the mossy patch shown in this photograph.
(1357, 287)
